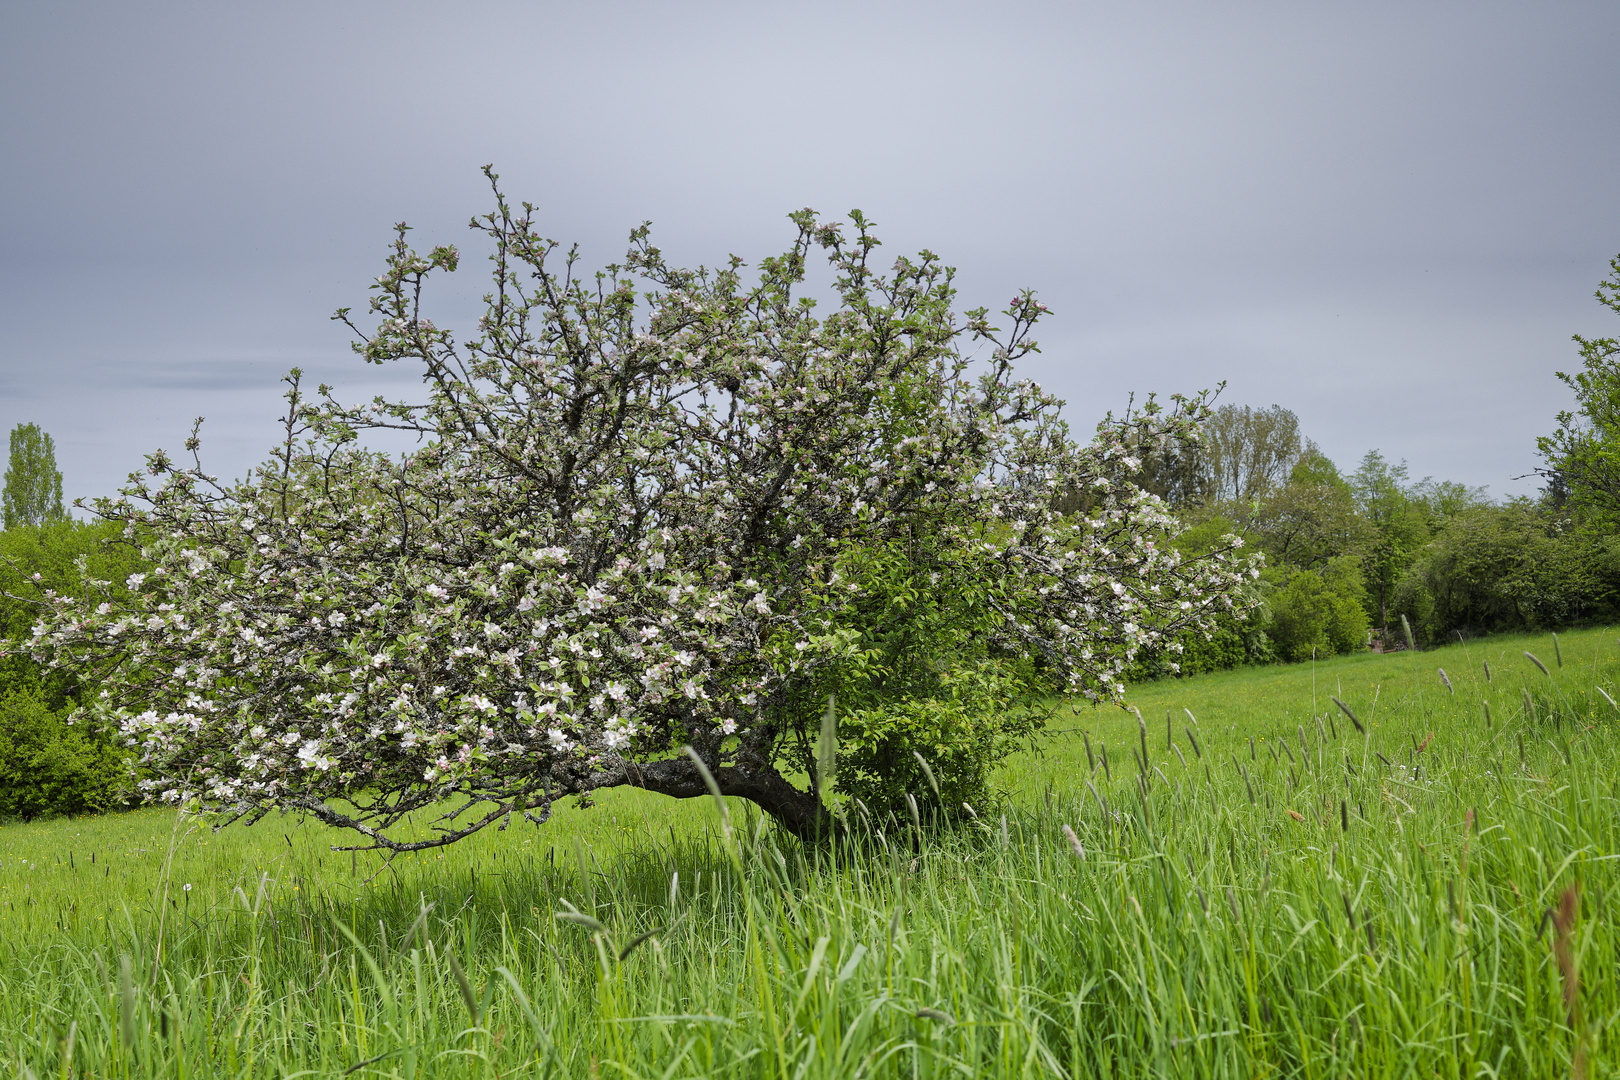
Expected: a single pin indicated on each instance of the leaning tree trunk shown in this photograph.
(799, 812)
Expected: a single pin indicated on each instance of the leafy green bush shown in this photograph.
(1233, 641)
(37, 558)
(1514, 567)
(963, 734)
(48, 766)
(910, 655)
(1319, 614)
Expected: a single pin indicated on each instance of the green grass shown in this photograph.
(1377, 930)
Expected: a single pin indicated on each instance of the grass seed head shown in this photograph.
(126, 1001)
(928, 774)
(579, 918)
(827, 750)
(637, 941)
(1532, 658)
(464, 986)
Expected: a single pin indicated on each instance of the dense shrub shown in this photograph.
(1232, 641)
(46, 766)
(1234, 638)
(1319, 614)
(963, 733)
(919, 675)
(49, 767)
(1513, 567)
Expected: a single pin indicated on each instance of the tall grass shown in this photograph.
(1294, 897)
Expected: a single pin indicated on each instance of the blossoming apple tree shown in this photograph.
(642, 516)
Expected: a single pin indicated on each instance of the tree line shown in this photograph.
(1367, 557)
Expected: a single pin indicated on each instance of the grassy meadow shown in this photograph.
(1270, 892)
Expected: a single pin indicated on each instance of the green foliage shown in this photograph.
(33, 491)
(49, 767)
(46, 766)
(1583, 455)
(964, 735)
(1311, 519)
(1398, 525)
(36, 560)
(1234, 638)
(1319, 614)
(1516, 567)
(908, 664)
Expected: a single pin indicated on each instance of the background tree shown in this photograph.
(1247, 453)
(654, 508)
(1318, 614)
(1312, 519)
(1583, 456)
(1398, 524)
(33, 490)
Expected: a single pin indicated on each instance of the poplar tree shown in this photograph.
(33, 492)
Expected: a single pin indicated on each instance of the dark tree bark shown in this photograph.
(799, 812)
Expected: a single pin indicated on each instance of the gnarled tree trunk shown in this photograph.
(799, 812)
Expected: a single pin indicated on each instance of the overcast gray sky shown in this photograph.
(1389, 218)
